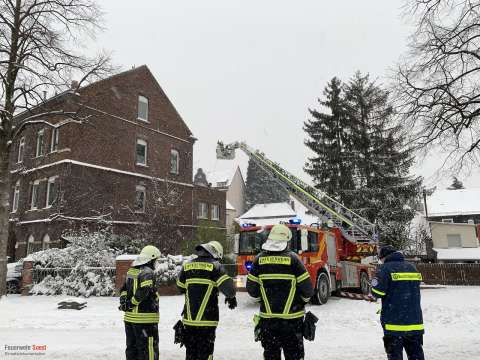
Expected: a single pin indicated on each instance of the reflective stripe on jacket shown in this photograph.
(200, 280)
(140, 290)
(280, 282)
(397, 283)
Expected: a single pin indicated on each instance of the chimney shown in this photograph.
(44, 95)
(74, 85)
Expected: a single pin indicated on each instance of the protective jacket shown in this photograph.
(280, 282)
(397, 283)
(200, 280)
(140, 295)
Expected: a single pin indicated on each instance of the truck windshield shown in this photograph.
(250, 242)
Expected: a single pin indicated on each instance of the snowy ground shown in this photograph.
(347, 329)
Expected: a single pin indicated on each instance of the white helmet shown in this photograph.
(214, 248)
(147, 254)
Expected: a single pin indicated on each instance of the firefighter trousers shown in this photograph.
(199, 342)
(142, 341)
(279, 334)
(412, 344)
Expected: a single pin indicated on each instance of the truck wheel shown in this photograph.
(323, 289)
(364, 283)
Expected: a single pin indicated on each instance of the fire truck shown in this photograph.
(336, 251)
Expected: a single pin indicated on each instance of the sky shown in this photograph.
(244, 70)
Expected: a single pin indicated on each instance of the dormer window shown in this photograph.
(142, 113)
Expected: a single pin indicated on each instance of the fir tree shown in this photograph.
(262, 187)
(384, 190)
(330, 140)
(456, 184)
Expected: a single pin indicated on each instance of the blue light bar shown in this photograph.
(295, 221)
(248, 265)
(245, 225)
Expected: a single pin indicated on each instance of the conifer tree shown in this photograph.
(329, 139)
(384, 190)
(262, 187)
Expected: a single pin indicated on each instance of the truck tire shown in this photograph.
(322, 292)
(364, 283)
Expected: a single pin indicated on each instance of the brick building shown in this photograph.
(113, 152)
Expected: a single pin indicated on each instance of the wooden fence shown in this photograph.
(450, 274)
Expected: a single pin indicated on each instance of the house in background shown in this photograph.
(274, 213)
(232, 183)
(454, 221)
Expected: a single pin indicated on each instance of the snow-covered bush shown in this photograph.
(169, 267)
(86, 266)
(89, 262)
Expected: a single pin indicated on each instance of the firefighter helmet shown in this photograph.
(278, 238)
(214, 248)
(147, 254)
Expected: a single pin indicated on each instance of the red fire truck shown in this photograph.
(334, 263)
(336, 251)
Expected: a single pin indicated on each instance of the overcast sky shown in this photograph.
(249, 70)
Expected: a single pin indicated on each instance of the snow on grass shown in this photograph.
(347, 329)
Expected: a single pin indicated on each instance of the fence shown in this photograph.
(450, 274)
(39, 273)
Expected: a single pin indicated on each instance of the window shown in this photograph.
(215, 212)
(142, 108)
(21, 150)
(447, 221)
(34, 195)
(174, 162)
(51, 191)
(54, 144)
(46, 242)
(30, 244)
(40, 150)
(140, 196)
(202, 210)
(454, 240)
(471, 221)
(313, 245)
(141, 153)
(16, 196)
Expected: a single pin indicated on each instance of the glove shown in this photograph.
(232, 302)
(309, 326)
(125, 304)
(179, 333)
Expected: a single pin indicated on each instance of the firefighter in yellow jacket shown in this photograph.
(139, 301)
(201, 280)
(281, 284)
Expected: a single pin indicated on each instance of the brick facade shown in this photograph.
(93, 169)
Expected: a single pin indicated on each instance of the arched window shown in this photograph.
(46, 242)
(30, 244)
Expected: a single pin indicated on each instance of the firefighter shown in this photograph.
(201, 280)
(280, 282)
(139, 301)
(397, 283)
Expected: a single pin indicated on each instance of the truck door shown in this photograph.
(332, 249)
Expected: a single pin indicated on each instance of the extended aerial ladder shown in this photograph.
(354, 227)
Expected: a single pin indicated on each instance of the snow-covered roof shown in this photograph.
(272, 210)
(229, 206)
(222, 178)
(126, 257)
(454, 202)
(465, 254)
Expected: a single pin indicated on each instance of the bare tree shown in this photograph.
(438, 82)
(158, 223)
(41, 49)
